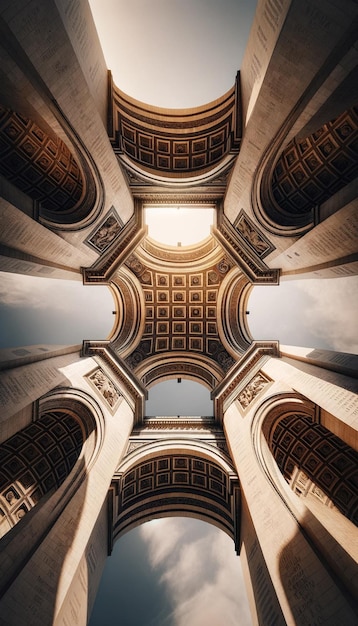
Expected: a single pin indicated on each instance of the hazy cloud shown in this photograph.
(35, 292)
(45, 310)
(202, 574)
(17, 290)
(309, 313)
(163, 536)
(332, 314)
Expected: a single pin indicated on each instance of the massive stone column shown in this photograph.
(294, 554)
(53, 558)
(27, 374)
(53, 100)
(328, 379)
(319, 239)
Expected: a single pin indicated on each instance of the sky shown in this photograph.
(186, 574)
(37, 310)
(169, 225)
(174, 53)
(308, 313)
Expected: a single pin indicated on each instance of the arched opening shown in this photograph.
(63, 505)
(38, 310)
(179, 225)
(171, 499)
(299, 462)
(43, 167)
(184, 571)
(316, 463)
(312, 169)
(179, 396)
(35, 462)
(168, 478)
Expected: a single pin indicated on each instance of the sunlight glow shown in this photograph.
(179, 225)
(175, 54)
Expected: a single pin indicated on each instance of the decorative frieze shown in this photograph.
(245, 254)
(252, 235)
(118, 243)
(106, 232)
(252, 389)
(228, 389)
(105, 387)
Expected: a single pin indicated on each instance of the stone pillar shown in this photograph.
(327, 251)
(334, 392)
(28, 247)
(68, 83)
(339, 362)
(27, 374)
(56, 578)
(287, 578)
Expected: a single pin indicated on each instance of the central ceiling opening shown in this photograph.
(179, 397)
(179, 225)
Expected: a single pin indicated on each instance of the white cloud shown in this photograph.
(332, 315)
(202, 574)
(162, 536)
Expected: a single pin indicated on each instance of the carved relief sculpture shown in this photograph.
(105, 387)
(251, 390)
(107, 232)
(251, 235)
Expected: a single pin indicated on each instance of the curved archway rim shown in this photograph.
(205, 371)
(180, 505)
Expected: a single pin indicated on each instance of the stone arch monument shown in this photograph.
(275, 467)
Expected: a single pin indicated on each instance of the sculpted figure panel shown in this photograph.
(107, 232)
(105, 387)
(251, 390)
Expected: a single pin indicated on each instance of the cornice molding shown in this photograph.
(249, 262)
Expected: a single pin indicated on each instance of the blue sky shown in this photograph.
(174, 53)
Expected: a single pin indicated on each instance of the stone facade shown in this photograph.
(276, 466)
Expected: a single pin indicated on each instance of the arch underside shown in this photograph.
(174, 144)
(170, 480)
(293, 182)
(171, 366)
(59, 179)
(35, 461)
(314, 462)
